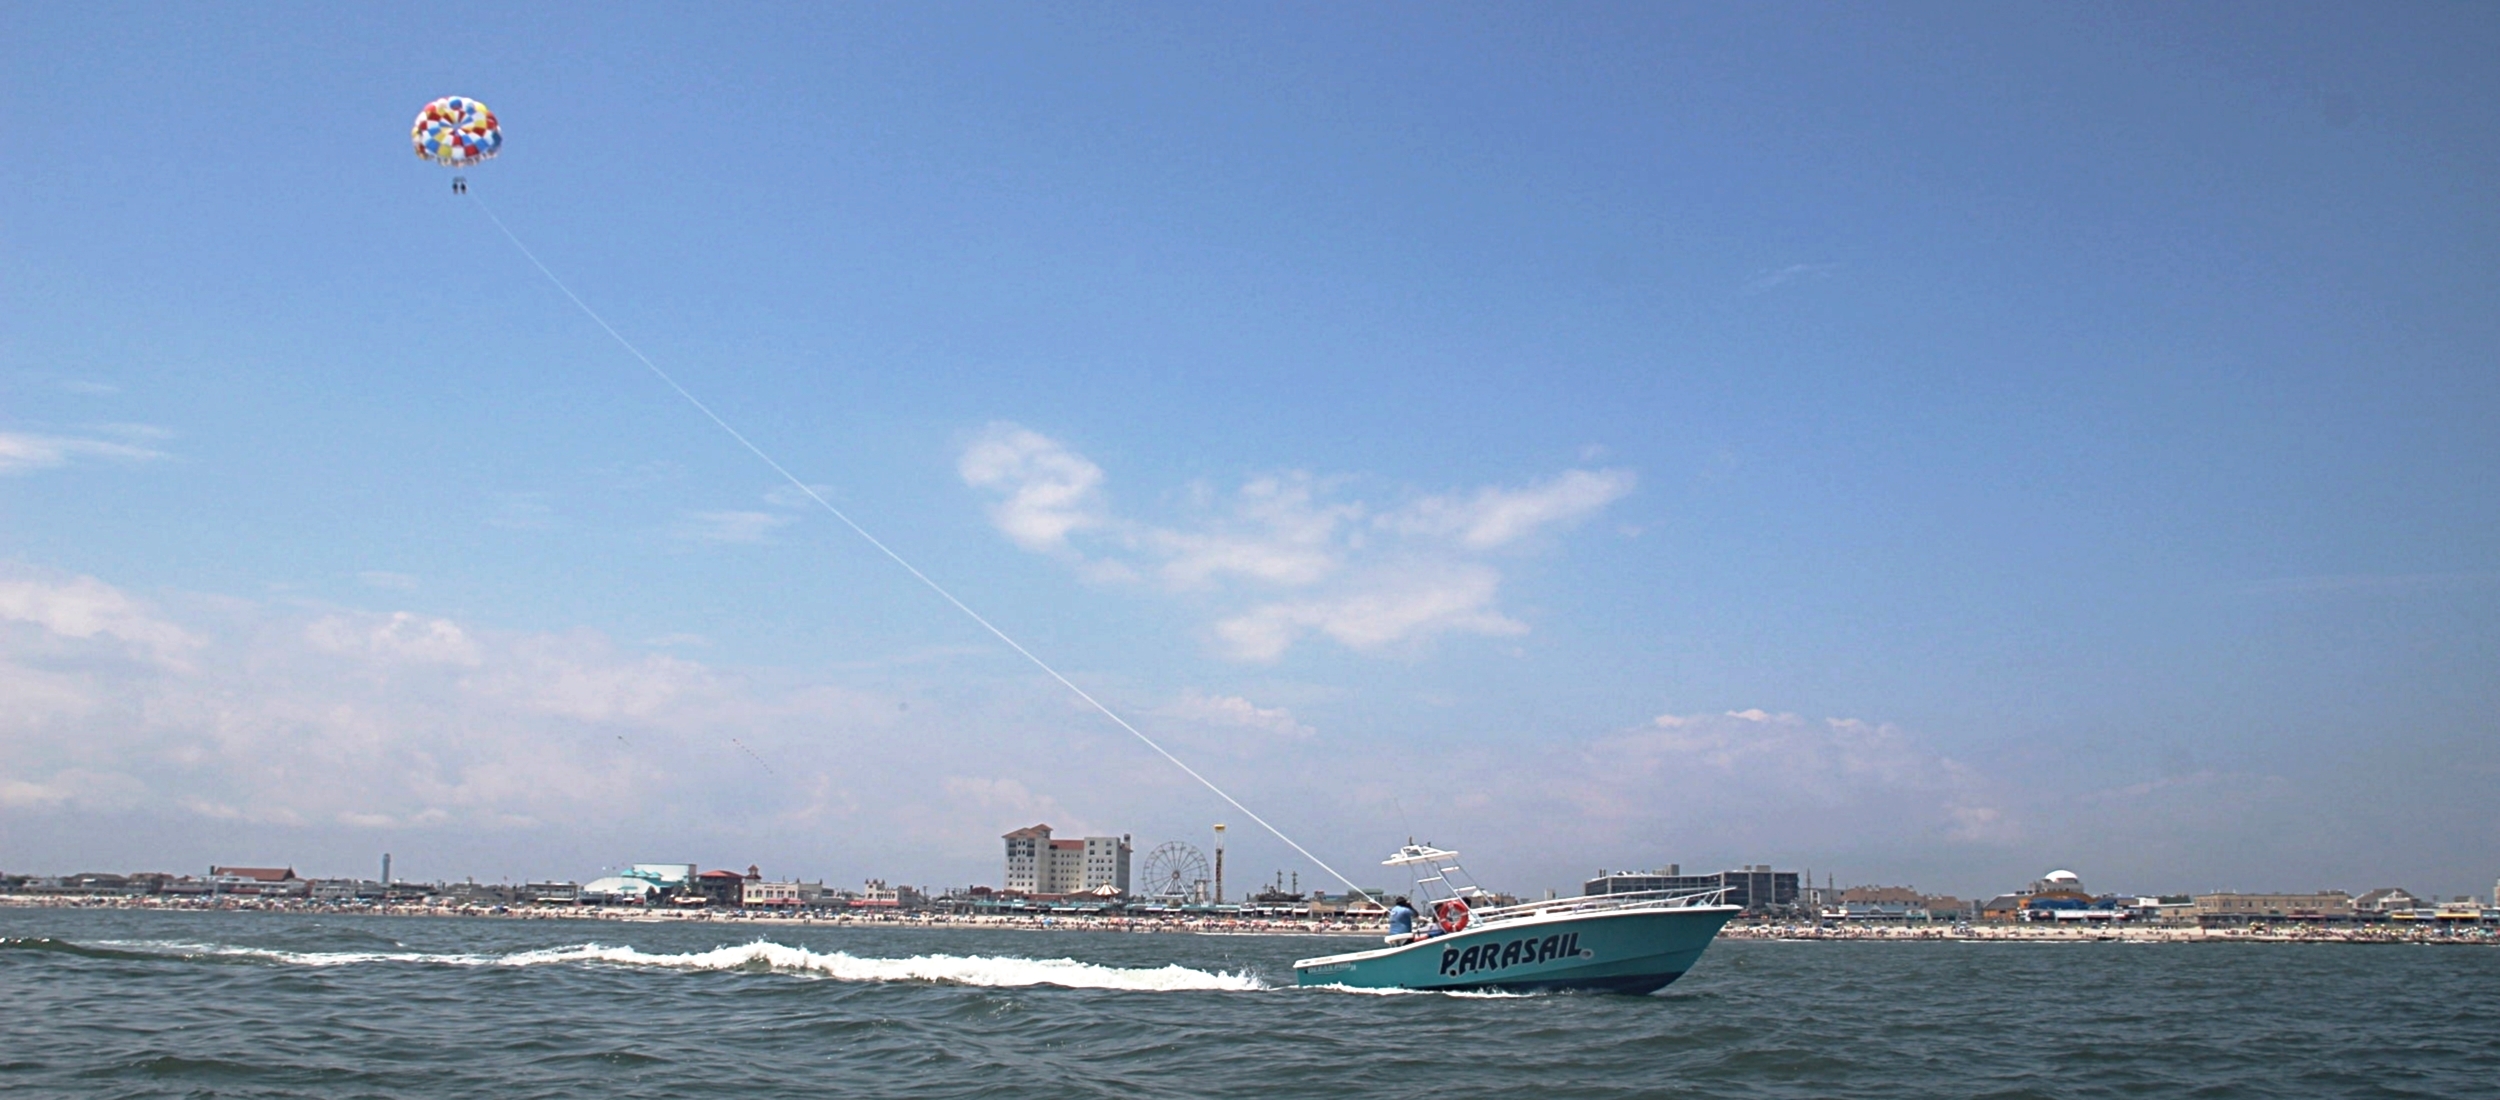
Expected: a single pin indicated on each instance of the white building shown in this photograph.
(618, 888)
(666, 876)
(1036, 864)
(877, 895)
(1024, 865)
(785, 895)
(1106, 863)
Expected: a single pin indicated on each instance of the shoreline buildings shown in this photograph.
(1754, 887)
(1091, 875)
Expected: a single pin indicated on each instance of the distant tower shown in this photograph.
(1219, 863)
(386, 868)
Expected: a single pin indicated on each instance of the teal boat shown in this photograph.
(1616, 943)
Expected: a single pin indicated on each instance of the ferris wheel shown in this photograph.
(1177, 871)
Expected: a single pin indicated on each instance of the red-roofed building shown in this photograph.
(722, 888)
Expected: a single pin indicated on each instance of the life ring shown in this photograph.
(1451, 914)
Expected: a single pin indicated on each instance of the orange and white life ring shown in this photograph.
(1451, 914)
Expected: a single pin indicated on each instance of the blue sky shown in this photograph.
(1923, 445)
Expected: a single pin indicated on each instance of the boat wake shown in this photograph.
(758, 957)
(982, 970)
(1397, 991)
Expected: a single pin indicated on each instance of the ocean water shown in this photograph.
(104, 1003)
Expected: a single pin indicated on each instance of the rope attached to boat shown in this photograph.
(810, 492)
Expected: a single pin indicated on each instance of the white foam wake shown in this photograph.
(1394, 991)
(980, 970)
(957, 969)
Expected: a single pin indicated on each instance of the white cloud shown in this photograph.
(1235, 712)
(580, 676)
(402, 637)
(270, 717)
(1008, 800)
(16, 793)
(1287, 556)
(1276, 533)
(1744, 762)
(84, 608)
(1393, 608)
(301, 732)
(22, 452)
(1493, 516)
(729, 527)
(1050, 491)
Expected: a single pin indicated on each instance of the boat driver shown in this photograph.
(1401, 921)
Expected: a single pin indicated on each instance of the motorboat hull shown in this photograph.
(1636, 951)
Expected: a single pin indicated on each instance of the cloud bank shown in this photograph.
(132, 728)
(347, 718)
(294, 723)
(1834, 769)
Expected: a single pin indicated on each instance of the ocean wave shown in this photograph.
(49, 945)
(761, 956)
(187, 949)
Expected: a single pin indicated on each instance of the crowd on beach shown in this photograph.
(804, 917)
(1330, 926)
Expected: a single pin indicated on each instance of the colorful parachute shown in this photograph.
(456, 131)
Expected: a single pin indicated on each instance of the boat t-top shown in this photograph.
(1620, 943)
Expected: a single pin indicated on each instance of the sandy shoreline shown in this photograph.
(2015, 933)
(1225, 926)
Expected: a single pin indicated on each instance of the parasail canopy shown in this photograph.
(456, 131)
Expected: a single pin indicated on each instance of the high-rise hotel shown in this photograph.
(1036, 864)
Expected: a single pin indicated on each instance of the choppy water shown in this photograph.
(131, 1004)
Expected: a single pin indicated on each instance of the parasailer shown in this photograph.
(456, 132)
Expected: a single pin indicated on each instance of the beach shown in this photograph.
(2033, 932)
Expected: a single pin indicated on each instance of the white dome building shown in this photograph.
(619, 888)
(2060, 881)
